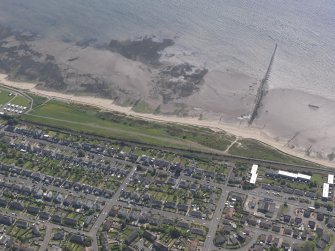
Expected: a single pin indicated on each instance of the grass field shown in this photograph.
(4, 96)
(87, 119)
(255, 149)
(20, 100)
(119, 126)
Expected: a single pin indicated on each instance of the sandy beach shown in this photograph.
(240, 131)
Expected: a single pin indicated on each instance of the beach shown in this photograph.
(267, 129)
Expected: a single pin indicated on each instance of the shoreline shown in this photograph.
(106, 104)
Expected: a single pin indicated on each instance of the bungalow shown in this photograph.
(219, 240)
(196, 214)
(22, 224)
(131, 237)
(70, 222)
(15, 205)
(78, 239)
(6, 220)
(3, 202)
(58, 236)
(276, 228)
(168, 221)
(171, 205)
(311, 224)
(56, 219)
(198, 231)
(160, 246)
(331, 223)
(182, 208)
(265, 224)
(183, 225)
(149, 236)
(36, 231)
(44, 215)
(320, 216)
(288, 231)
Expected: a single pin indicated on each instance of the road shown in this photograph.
(104, 214)
(47, 238)
(213, 226)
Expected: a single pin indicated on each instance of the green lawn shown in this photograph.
(119, 126)
(255, 149)
(20, 100)
(4, 96)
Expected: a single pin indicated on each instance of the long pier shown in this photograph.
(261, 89)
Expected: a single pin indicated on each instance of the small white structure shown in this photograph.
(254, 174)
(297, 176)
(254, 169)
(325, 191)
(330, 179)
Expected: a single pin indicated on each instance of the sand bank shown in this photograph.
(260, 132)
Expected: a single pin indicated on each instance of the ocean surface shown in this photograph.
(225, 35)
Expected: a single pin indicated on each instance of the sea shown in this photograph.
(224, 35)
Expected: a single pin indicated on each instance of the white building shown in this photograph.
(325, 191)
(330, 179)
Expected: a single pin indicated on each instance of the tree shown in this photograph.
(81, 153)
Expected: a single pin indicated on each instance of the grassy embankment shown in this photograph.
(4, 96)
(119, 126)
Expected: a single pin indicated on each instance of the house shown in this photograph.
(44, 215)
(56, 219)
(6, 220)
(276, 228)
(297, 221)
(331, 223)
(22, 224)
(108, 224)
(219, 240)
(198, 231)
(104, 241)
(33, 210)
(296, 233)
(131, 237)
(149, 236)
(15, 205)
(320, 216)
(70, 222)
(58, 236)
(319, 231)
(325, 238)
(266, 206)
(182, 208)
(252, 221)
(36, 231)
(3, 202)
(265, 224)
(262, 238)
(78, 239)
(287, 218)
(170, 205)
(196, 214)
(160, 246)
(287, 231)
(307, 213)
(321, 244)
(311, 224)
(183, 225)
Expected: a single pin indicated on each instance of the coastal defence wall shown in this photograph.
(262, 88)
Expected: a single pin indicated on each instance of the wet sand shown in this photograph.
(274, 127)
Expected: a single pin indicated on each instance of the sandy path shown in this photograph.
(240, 131)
